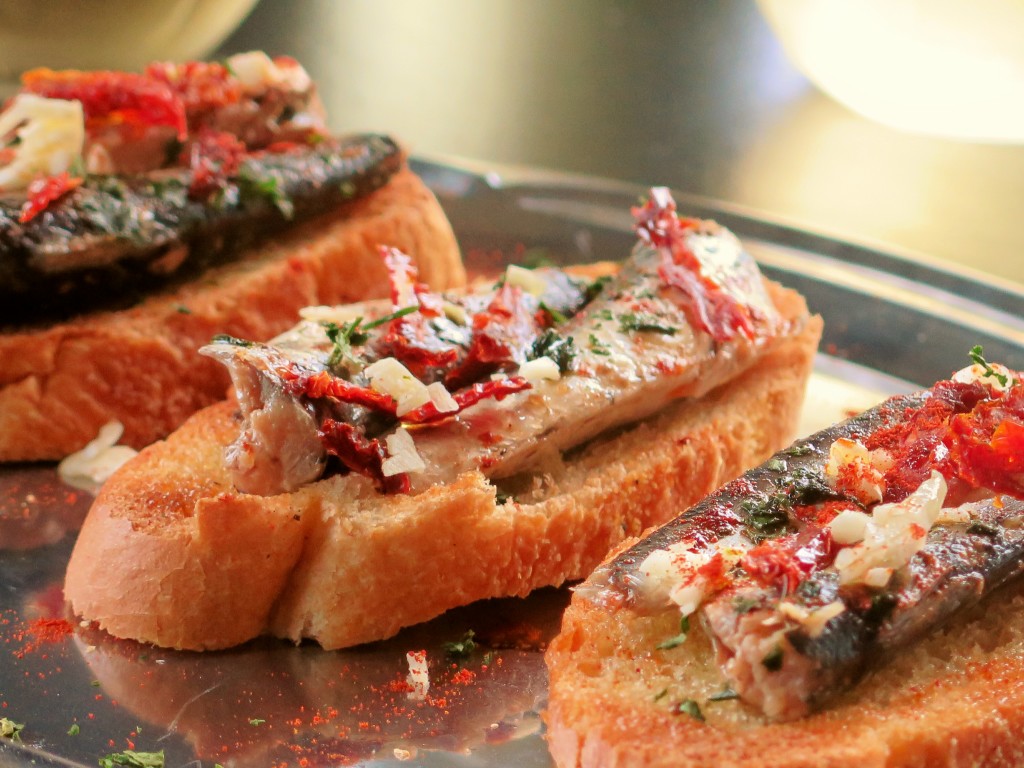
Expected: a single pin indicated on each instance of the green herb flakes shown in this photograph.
(677, 640)
(561, 349)
(977, 355)
(10, 729)
(223, 338)
(643, 321)
(598, 347)
(460, 648)
(74, 730)
(726, 694)
(256, 721)
(556, 316)
(133, 759)
(744, 604)
(689, 707)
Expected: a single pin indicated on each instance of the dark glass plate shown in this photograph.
(891, 322)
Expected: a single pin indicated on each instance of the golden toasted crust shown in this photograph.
(356, 566)
(59, 385)
(954, 699)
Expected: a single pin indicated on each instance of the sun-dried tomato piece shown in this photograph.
(502, 334)
(785, 561)
(916, 439)
(496, 389)
(44, 191)
(323, 384)
(127, 101)
(707, 305)
(202, 86)
(214, 157)
(361, 454)
(412, 339)
(988, 443)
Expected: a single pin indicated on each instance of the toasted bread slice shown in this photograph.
(918, 664)
(140, 366)
(172, 554)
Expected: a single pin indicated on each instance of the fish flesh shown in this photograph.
(811, 569)
(505, 379)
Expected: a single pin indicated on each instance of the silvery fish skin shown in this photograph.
(636, 350)
(771, 649)
(116, 238)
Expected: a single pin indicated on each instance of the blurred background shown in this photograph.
(701, 96)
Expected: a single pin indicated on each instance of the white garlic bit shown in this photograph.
(976, 372)
(390, 377)
(257, 72)
(90, 467)
(853, 459)
(540, 369)
(894, 534)
(402, 454)
(50, 136)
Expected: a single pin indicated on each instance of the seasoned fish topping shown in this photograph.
(504, 379)
(810, 569)
(114, 184)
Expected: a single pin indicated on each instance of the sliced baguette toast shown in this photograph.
(140, 366)
(917, 659)
(172, 554)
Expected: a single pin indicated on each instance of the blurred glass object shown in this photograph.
(111, 34)
(947, 68)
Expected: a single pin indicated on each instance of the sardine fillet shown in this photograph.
(210, 568)
(59, 385)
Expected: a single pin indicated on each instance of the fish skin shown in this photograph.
(961, 563)
(116, 238)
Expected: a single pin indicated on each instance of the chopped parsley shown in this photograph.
(223, 338)
(256, 721)
(726, 694)
(776, 465)
(766, 516)
(742, 604)
(977, 355)
(556, 316)
(74, 730)
(267, 187)
(772, 660)
(643, 321)
(598, 347)
(561, 349)
(10, 729)
(461, 648)
(181, 309)
(133, 759)
(672, 642)
(661, 694)
(353, 334)
(799, 450)
(689, 707)
(594, 290)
